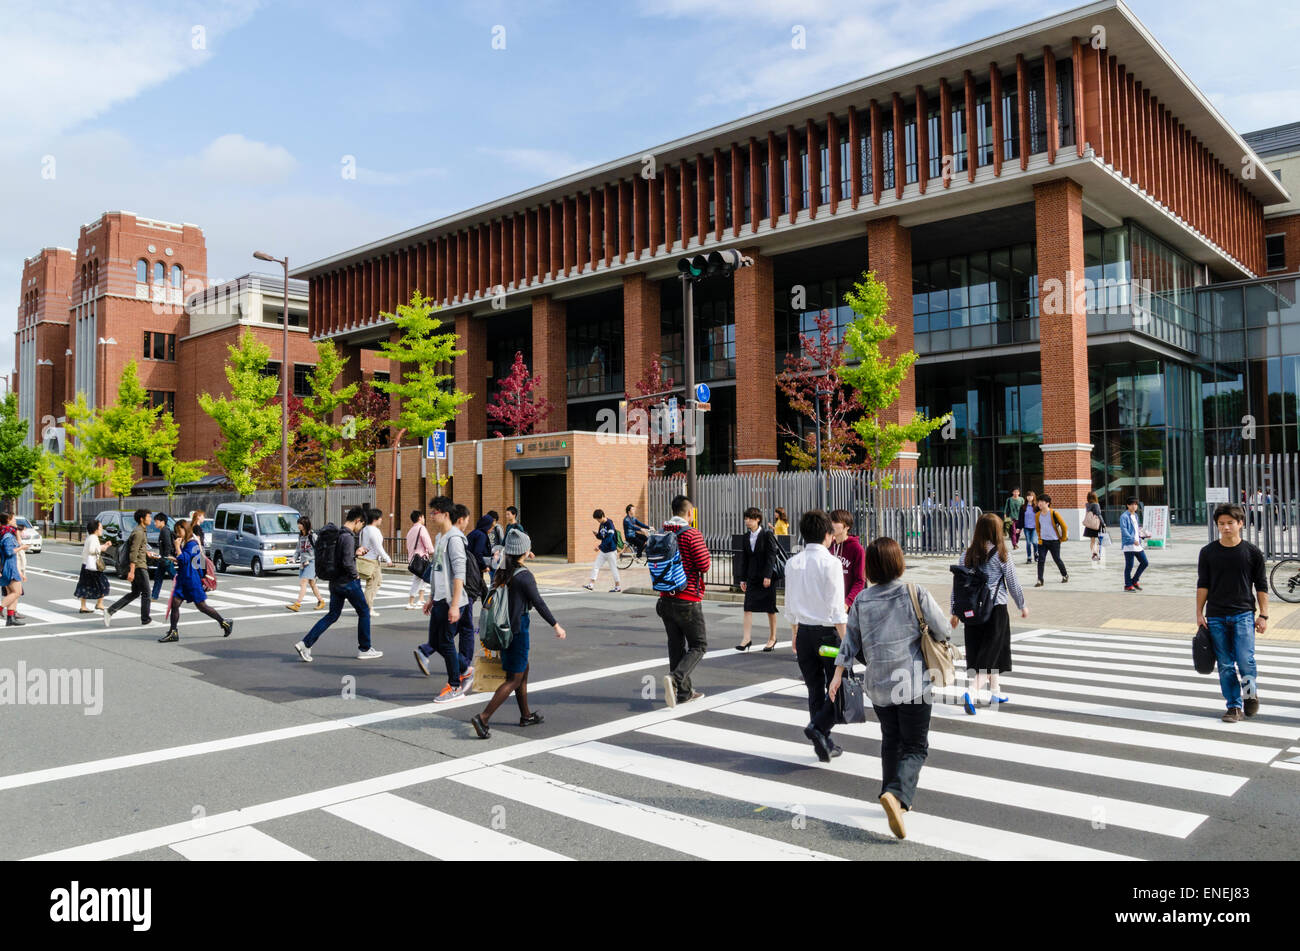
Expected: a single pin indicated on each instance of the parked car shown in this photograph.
(30, 534)
(257, 535)
(118, 526)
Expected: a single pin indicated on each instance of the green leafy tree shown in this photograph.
(48, 483)
(428, 402)
(124, 432)
(17, 459)
(81, 466)
(248, 419)
(163, 454)
(875, 379)
(340, 448)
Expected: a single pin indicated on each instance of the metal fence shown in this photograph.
(309, 502)
(1268, 488)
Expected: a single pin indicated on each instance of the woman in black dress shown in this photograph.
(756, 570)
(1094, 534)
(91, 581)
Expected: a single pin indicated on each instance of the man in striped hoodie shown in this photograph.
(683, 612)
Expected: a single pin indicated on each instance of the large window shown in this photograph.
(178, 275)
(1010, 106)
(1037, 110)
(934, 139)
(983, 126)
(159, 273)
(141, 271)
(958, 136)
(1065, 100)
(159, 346)
(165, 399)
(302, 379)
(1275, 252)
(715, 333)
(594, 350)
(910, 148)
(985, 287)
(887, 149)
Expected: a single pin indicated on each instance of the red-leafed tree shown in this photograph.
(662, 450)
(305, 456)
(516, 409)
(813, 374)
(370, 404)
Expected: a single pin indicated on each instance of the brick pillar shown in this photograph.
(351, 371)
(1063, 346)
(549, 359)
(889, 255)
(410, 491)
(471, 372)
(394, 376)
(641, 334)
(755, 366)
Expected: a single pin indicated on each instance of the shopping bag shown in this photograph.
(488, 673)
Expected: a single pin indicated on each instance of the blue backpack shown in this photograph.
(667, 573)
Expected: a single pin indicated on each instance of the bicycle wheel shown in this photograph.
(1284, 579)
(626, 558)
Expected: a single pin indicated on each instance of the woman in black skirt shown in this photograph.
(1094, 534)
(756, 570)
(988, 645)
(92, 582)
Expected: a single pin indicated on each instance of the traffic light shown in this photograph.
(716, 263)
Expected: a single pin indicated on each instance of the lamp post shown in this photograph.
(284, 380)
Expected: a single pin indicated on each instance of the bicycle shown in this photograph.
(1284, 579)
(629, 556)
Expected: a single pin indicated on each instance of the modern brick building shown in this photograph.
(1053, 211)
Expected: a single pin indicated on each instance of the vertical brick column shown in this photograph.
(641, 334)
(1063, 346)
(549, 359)
(889, 255)
(351, 372)
(394, 376)
(471, 372)
(755, 366)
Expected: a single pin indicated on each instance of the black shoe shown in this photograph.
(227, 627)
(480, 727)
(145, 620)
(1038, 584)
(744, 647)
(836, 751)
(820, 742)
(532, 719)
(1064, 578)
(12, 621)
(769, 648)
(170, 637)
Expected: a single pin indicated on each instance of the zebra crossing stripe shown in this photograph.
(239, 845)
(1176, 777)
(1289, 663)
(687, 834)
(953, 835)
(1046, 647)
(1285, 653)
(1060, 802)
(1174, 675)
(436, 833)
(1207, 685)
(1143, 696)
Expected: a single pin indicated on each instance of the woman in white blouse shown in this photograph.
(370, 554)
(92, 582)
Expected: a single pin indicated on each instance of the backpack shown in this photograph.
(209, 579)
(473, 574)
(779, 557)
(494, 624)
(619, 541)
(973, 602)
(664, 559)
(326, 550)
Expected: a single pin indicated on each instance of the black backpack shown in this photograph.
(973, 602)
(779, 556)
(474, 575)
(326, 547)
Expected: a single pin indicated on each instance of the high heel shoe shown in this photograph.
(769, 648)
(744, 647)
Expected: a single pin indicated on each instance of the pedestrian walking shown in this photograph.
(781, 524)
(371, 555)
(336, 562)
(883, 628)
(11, 575)
(306, 563)
(606, 551)
(1094, 525)
(1050, 530)
(466, 631)
(190, 569)
(479, 544)
(137, 574)
(757, 571)
(814, 606)
(167, 552)
(1133, 539)
(988, 638)
(197, 518)
(683, 560)
(852, 556)
(1011, 512)
(418, 545)
(92, 582)
(635, 531)
(1226, 572)
(520, 588)
(21, 555)
(1029, 525)
(447, 600)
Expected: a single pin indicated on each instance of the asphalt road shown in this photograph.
(212, 747)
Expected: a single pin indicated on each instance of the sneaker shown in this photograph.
(1233, 715)
(821, 745)
(968, 703)
(835, 750)
(170, 637)
(1251, 706)
(695, 695)
(227, 627)
(108, 618)
(467, 682)
(1137, 586)
(448, 693)
(1129, 587)
(293, 607)
(374, 614)
(616, 590)
(1064, 578)
(590, 587)
(303, 651)
(369, 654)
(421, 661)
(1096, 557)
(997, 699)
(412, 607)
(894, 813)
(670, 691)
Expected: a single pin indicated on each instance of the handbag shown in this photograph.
(940, 657)
(366, 568)
(418, 566)
(851, 698)
(1203, 658)
(1092, 521)
(99, 562)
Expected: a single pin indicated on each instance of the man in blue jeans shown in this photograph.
(1226, 572)
(344, 586)
(166, 556)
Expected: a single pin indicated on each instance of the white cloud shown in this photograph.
(371, 176)
(548, 164)
(233, 159)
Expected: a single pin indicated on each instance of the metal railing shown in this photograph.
(1267, 487)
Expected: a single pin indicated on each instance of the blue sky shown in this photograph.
(237, 116)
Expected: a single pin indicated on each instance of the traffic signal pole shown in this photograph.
(688, 343)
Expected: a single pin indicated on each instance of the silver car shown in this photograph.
(30, 534)
(258, 536)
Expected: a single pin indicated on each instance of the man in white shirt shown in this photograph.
(814, 605)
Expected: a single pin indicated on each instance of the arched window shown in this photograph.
(141, 271)
(177, 275)
(159, 273)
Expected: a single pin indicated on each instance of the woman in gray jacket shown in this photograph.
(884, 630)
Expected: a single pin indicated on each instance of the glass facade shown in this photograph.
(594, 345)
(975, 300)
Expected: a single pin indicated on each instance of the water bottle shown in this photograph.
(829, 650)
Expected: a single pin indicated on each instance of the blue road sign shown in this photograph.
(435, 446)
(672, 415)
(702, 393)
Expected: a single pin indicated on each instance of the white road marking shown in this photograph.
(1141, 696)
(239, 845)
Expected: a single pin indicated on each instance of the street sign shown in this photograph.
(703, 407)
(435, 446)
(702, 393)
(1155, 520)
(1217, 495)
(672, 415)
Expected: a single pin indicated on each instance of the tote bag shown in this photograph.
(940, 657)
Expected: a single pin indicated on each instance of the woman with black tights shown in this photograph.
(521, 592)
(190, 568)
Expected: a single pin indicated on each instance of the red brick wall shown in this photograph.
(471, 376)
(755, 365)
(1288, 225)
(550, 361)
(641, 329)
(889, 255)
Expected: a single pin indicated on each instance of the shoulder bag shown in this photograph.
(1092, 521)
(940, 657)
